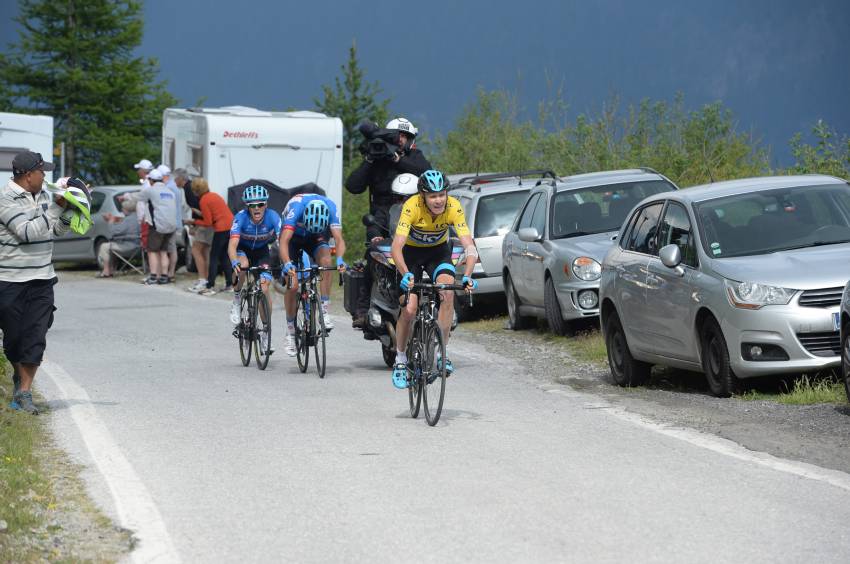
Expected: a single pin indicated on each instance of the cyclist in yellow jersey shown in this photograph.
(421, 244)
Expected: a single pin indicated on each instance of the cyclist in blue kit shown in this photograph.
(253, 230)
(310, 220)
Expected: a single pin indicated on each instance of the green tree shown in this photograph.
(829, 155)
(74, 61)
(352, 99)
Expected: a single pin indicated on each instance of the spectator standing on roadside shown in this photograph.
(162, 206)
(217, 218)
(182, 211)
(29, 222)
(123, 237)
(201, 236)
(143, 168)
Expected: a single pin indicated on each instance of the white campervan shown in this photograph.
(233, 144)
(22, 132)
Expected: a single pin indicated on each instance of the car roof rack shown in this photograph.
(485, 178)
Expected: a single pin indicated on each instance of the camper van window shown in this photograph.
(169, 152)
(197, 158)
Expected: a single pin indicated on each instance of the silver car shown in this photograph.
(72, 247)
(844, 324)
(553, 251)
(490, 203)
(734, 279)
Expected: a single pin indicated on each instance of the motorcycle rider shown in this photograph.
(377, 176)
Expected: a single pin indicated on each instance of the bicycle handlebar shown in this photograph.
(439, 287)
(310, 270)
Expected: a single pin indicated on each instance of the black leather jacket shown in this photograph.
(378, 177)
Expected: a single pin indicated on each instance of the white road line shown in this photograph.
(713, 443)
(134, 505)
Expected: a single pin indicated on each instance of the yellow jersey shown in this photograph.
(422, 229)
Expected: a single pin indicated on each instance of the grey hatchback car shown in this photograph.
(553, 251)
(734, 279)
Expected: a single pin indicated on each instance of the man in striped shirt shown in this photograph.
(29, 221)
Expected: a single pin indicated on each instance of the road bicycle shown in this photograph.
(254, 329)
(310, 328)
(426, 371)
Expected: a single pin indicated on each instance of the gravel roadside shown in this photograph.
(817, 434)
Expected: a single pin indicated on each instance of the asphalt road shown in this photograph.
(211, 462)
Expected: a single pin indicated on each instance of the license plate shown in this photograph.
(836, 321)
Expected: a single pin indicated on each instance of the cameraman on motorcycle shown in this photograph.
(387, 153)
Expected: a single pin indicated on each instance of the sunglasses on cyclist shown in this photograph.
(256, 206)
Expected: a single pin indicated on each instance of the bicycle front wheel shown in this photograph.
(414, 388)
(302, 337)
(245, 328)
(263, 332)
(433, 373)
(319, 342)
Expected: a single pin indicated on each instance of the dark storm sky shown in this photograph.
(779, 65)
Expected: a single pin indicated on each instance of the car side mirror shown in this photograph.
(528, 234)
(369, 220)
(671, 257)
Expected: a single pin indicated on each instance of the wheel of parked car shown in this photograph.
(845, 360)
(553, 310)
(715, 360)
(515, 320)
(625, 370)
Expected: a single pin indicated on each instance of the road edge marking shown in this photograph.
(133, 502)
(712, 442)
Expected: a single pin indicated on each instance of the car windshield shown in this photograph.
(600, 208)
(496, 213)
(769, 221)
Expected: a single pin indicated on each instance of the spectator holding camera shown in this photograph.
(386, 153)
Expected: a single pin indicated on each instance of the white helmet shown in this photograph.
(405, 184)
(403, 125)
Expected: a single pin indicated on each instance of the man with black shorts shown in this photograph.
(420, 245)
(310, 220)
(29, 221)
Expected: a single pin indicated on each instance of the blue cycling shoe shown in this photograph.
(449, 366)
(400, 375)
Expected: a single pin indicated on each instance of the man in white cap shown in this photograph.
(161, 204)
(182, 210)
(143, 168)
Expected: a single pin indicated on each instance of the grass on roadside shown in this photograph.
(805, 390)
(22, 487)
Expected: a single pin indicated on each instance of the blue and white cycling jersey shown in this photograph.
(293, 213)
(256, 235)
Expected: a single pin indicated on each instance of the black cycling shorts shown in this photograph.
(309, 245)
(428, 259)
(26, 313)
(256, 257)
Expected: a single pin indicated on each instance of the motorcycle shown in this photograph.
(385, 293)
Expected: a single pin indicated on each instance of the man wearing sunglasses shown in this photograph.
(254, 229)
(29, 222)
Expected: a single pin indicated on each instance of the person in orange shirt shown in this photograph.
(216, 216)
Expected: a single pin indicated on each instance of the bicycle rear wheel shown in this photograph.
(319, 342)
(414, 388)
(262, 332)
(245, 328)
(302, 338)
(433, 373)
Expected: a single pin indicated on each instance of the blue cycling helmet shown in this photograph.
(316, 217)
(255, 193)
(432, 181)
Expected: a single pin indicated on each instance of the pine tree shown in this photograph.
(352, 99)
(75, 62)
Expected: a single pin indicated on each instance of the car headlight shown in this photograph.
(749, 295)
(585, 268)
